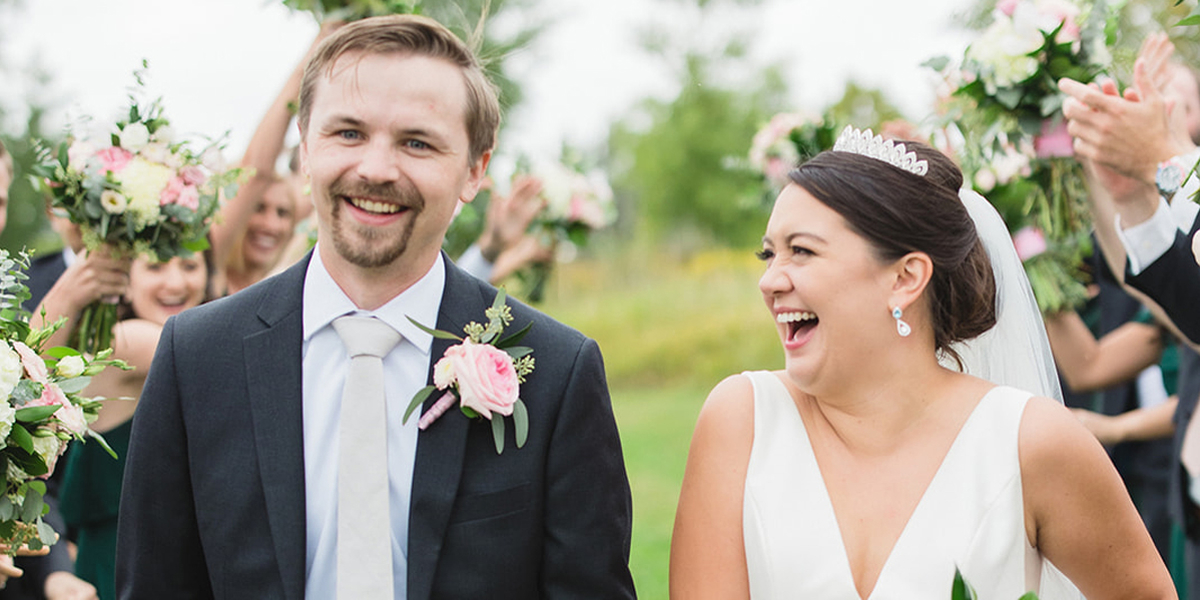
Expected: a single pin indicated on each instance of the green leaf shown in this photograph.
(61, 352)
(21, 436)
(7, 510)
(437, 333)
(470, 412)
(1189, 20)
(1029, 596)
(937, 63)
(74, 385)
(35, 414)
(46, 533)
(518, 351)
(514, 338)
(521, 422)
(38, 485)
(501, 296)
(418, 399)
(26, 391)
(961, 590)
(31, 508)
(498, 432)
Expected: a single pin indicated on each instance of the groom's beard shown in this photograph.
(372, 247)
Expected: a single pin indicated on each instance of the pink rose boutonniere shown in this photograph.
(482, 374)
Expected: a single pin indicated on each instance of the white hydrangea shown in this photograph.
(10, 370)
(143, 182)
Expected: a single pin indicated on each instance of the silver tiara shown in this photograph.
(874, 146)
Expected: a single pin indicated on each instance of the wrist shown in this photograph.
(489, 248)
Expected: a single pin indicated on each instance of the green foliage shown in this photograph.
(679, 170)
(863, 108)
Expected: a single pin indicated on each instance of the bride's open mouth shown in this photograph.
(800, 325)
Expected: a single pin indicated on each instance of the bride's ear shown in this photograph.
(912, 273)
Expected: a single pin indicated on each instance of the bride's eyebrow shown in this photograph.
(804, 234)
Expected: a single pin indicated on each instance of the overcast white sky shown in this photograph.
(219, 63)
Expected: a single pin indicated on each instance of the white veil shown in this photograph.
(1016, 352)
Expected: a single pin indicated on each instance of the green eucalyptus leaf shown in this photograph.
(27, 390)
(46, 533)
(7, 510)
(418, 399)
(498, 432)
(74, 385)
(501, 296)
(31, 508)
(519, 351)
(521, 422)
(437, 333)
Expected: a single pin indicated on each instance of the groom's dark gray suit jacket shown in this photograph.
(213, 501)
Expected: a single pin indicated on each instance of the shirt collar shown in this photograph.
(325, 301)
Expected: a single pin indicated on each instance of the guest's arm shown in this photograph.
(1089, 364)
(708, 555)
(1141, 424)
(95, 276)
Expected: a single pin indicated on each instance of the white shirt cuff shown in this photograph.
(1146, 242)
(473, 262)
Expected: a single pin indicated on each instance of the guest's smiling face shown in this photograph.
(158, 290)
(825, 288)
(387, 149)
(270, 227)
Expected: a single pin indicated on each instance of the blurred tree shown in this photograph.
(679, 165)
(863, 107)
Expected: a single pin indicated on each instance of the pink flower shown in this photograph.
(34, 365)
(114, 158)
(178, 191)
(487, 381)
(1008, 7)
(1029, 243)
(1054, 142)
(192, 175)
(189, 197)
(68, 414)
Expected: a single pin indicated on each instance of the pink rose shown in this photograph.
(189, 198)
(34, 365)
(71, 416)
(114, 158)
(170, 194)
(192, 175)
(1008, 7)
(1054, 142)
(487, 380)
(1029, 243)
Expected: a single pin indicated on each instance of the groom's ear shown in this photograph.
(911, 274)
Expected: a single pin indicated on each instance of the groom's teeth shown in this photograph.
(375, 207)
(790, 317)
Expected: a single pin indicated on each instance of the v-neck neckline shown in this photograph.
(827, 501)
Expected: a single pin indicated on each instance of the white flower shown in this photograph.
(134, 137)
(79, 154)
(113, 203)
(213, 160)
(8, 416)
(10, 371)
(164, 134)
(48, 448)
(155, 152)
(71, 366)
(985, 180)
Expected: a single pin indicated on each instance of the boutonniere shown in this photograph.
(482, 374)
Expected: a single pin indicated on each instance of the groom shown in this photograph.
(232, 483)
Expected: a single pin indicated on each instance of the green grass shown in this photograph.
(670, 329)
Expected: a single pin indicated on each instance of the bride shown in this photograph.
(873, 466)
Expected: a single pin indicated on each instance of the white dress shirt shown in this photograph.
(325, 361)
(1147, 242)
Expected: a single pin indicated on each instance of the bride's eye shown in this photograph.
(765, 254)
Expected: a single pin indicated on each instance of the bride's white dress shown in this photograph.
(971, 515)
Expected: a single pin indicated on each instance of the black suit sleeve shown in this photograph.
(588, 504)
(158, 541)
(1173, 281)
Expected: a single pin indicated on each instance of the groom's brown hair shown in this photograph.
(409, 34)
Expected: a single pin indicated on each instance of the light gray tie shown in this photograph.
(364, 540)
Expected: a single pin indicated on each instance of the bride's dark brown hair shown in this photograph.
(899, 212)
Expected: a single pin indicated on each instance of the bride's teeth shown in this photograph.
(790, 317)
(375, 207)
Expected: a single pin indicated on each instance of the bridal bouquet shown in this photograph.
(353, 10)
(142, 191)
(1019, 154)
(785, 142)
(41, 413)
(482, 373)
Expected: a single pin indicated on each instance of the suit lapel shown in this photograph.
(273, 382)
(441, 447)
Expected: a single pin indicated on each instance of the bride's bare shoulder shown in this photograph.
(727, 417)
